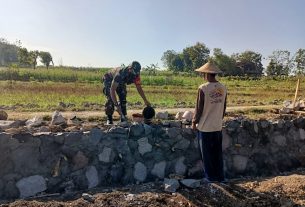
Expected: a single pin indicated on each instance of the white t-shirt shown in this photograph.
(214, 103)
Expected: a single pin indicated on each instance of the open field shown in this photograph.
(42, 90)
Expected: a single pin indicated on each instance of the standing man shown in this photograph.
(115, 81)
(209, 113)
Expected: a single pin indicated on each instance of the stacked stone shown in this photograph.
(68, 161)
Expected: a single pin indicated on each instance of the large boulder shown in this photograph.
(30, 186)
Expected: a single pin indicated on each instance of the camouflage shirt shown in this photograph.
(122, 76)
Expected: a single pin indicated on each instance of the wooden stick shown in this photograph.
(296, 93)
(45, 195)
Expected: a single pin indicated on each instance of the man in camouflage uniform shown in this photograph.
(115, 81)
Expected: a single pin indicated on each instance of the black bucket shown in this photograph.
(148, 113)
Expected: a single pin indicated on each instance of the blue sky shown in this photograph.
(111, 32)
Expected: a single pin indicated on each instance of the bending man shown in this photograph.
(115, 81)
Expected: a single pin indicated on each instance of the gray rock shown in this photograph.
(171, 185)
(255, 127)
(34, 122)
(92, 177)
(8, 124)
(191, 183)
(1, 188)
(88, 197)
(117, 130)
(233, 126)
(302, 150)
(144, 146)
(159, 169)
(59, 138)
(240, 162)
(180, 167)
(173, 132)
(136, 130)
(162, 115)
(279, 139)
(188, 131)
(280, 123)
(302, 134)
(117, 173)
(95, 136)
(58, 119)
(177, 124)
(3, 115)
(140, 172)
(147, 129)
(105, 156)
(226, 140)
(30, 186)
(72, 138)
(10, 190)
(80, 161)
(44, 129)
(293, 134)
(182, 144)
(264, 124)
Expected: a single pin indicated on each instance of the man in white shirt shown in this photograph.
(209, 113)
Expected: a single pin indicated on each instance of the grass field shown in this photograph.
(42, 90)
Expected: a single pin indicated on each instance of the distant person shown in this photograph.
(115, 81)
(209, 113)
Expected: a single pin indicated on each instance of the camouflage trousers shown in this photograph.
(121, 91)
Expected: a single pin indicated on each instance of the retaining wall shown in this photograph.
(64, 162)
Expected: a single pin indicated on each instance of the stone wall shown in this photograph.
(69, 161)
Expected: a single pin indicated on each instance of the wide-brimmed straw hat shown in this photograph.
(209, 67)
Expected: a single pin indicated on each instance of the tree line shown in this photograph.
(247, 63)
(15, 54)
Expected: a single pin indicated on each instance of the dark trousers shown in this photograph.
(121, 91)
(210, 144)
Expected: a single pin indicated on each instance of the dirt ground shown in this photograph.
(13, 115)
(284, 190)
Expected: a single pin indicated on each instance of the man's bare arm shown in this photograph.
(141, 92)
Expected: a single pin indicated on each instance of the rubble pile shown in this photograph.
(293, 107)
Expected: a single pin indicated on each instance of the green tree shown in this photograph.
(167, 58)
(8, 53)
(226, 63)
(249, 63)
(280, 63)
(46, 58)
(33, 55)
(173, 61)
(195, 56)
(177, 63)
(299, 62)
(23, 57)
(274, 69)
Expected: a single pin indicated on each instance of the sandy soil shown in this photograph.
(85, 114)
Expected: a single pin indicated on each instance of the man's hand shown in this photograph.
(194, 127)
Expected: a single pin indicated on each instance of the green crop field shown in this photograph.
(81, 89)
